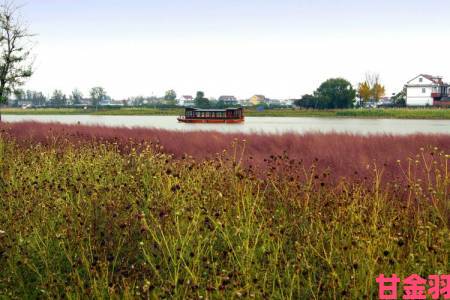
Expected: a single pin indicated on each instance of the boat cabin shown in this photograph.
(228, 115)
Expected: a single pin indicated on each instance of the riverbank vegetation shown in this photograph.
(90, 212)
(393, 113)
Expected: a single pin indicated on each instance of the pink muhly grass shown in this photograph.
(345, 155)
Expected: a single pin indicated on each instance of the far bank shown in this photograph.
(389, 113)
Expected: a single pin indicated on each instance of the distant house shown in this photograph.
(385, 102)
(85, 102)
(229, 100)
(25, 103)
(272, 102)
(111, 102)
(105, 102)
(427, 90)
(288, 102)
(186, 100)
(257, 99)
(119, 102)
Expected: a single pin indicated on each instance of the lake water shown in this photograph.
(253, 124)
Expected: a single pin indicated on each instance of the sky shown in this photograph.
(278, 48)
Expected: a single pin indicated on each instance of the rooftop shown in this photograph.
(211, 109)
(434, 79)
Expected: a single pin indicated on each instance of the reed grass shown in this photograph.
(114, 219)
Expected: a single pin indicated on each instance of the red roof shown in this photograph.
(434, 79)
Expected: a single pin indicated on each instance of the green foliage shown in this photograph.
(400, 99)
(36, 98)
(58, 99)
(76, 96)
(307, 101)
(200, 100)
(98, 221)
(335, 93)
(220, 104)
(170, 97)
(97, 94)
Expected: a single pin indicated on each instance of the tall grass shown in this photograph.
(347, 155)
(110, 218)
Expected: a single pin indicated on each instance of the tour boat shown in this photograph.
(197, 115)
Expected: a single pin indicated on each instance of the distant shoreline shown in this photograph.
(385, 113)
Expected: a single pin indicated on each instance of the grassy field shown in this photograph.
(102, 111)
(91, 213)
(398, 113)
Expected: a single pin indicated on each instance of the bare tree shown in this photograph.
(372, 78)
(15, 48)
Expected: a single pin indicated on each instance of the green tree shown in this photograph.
(15, 48)
(200, 100)
(76, 96)
(170, 97)
(39, 99)
(400, 99)
(307, 101)
(58, 99)
(98, 94)
(36, 98)
(335, 93)
(19, 95)
(220, 104)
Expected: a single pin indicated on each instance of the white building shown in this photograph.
(426, 90)
(186, 101)
(229, 100)
(287, 102)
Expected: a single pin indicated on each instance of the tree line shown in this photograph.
(338, 93)
(97, 95)
(58, 98)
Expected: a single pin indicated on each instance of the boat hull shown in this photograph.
(212, 121)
